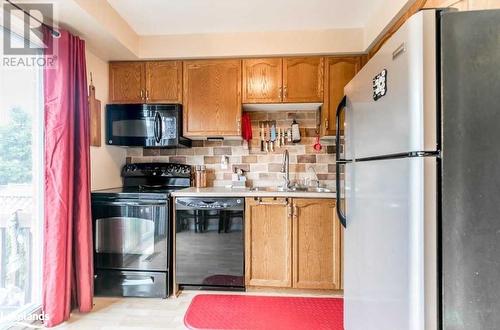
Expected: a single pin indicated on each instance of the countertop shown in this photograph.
(246, 192)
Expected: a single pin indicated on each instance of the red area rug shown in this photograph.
(224, 312)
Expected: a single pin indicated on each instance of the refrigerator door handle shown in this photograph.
(340, 108)
(340, 213)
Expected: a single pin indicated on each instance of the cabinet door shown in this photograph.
(164, 82)
(268, 242)
(212, 98)
(303, 79)
(262, 80)
(316, 250)
(338, 72)
(126, 82)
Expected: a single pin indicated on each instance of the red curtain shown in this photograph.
(67, 261)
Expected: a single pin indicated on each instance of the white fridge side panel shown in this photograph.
(384, 246)
(403, 120)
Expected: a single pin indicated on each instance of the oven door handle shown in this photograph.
(142, 203)
(147, 280)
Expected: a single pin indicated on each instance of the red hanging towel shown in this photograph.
(246, 127)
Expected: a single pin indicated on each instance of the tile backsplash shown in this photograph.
(262, 168)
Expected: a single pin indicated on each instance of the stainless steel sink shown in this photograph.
(319, 190)
(263, 189)
(293, 189)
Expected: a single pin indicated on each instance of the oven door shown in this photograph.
(131, 234)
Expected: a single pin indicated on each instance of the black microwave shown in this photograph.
(145, 125)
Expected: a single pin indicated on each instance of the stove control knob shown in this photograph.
(131, 168)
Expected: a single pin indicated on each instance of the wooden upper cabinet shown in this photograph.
(262, 80)
(145, 82)
(338, 72)
(303, 79)
(164, 82)
(212, 98)
(316, 250)
(126, 82)
(268, 242)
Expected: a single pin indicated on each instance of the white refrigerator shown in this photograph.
(400, 266)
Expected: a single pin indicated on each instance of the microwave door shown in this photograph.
(131, 125)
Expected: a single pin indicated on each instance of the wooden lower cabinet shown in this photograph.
(292, 243)
(316, 244)
(268, 242)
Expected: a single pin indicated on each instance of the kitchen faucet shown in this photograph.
(285, 168)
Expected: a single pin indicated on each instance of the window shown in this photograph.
(21, 190)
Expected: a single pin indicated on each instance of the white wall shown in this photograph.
(382, 19)
(337, 41)
(106, 161)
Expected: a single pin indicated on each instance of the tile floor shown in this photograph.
(141, 314)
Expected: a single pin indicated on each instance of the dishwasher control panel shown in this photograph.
(218, 203)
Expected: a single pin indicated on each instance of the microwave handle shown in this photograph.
(158, 127)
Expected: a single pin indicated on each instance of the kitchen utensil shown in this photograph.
(95, 116)
(279, 137)
(295, 132)
(317, 145)
(273, 136)
(261, 126)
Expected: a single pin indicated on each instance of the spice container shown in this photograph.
(200, 180)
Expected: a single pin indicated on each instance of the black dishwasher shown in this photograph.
(209, 243)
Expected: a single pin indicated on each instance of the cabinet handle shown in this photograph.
(295, 211)
(290, 212)
(239, 126)
(326, 123)
(260, 202)
(285, 92)
(142, 94)
(280, 91)
(147, 94)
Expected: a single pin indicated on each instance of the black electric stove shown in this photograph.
(132, 231)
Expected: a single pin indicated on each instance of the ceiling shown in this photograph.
(172, 17)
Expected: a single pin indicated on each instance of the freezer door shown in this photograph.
(404, 119)
(390, 245)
